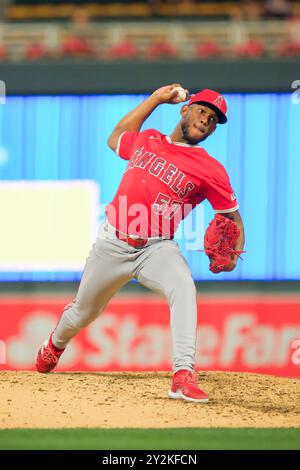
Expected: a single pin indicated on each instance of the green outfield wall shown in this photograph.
(85, 76)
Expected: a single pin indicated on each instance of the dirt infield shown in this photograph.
(139, 400)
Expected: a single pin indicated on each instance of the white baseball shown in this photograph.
(180, 94)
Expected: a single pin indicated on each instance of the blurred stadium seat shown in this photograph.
(36, 51)
(3, 52)
(77, 47)
(208, 49)
(125, 49)
(161, 48)
(252, 49)
(289, 49)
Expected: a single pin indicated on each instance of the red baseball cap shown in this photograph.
(214, 100)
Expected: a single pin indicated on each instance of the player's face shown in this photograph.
(198, 122)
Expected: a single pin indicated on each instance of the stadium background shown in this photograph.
(70, 75)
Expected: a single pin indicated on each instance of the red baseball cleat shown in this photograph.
(184, 387)
(47, 358)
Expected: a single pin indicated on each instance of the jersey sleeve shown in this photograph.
(129, 141)
(125, 144)
(220, 193)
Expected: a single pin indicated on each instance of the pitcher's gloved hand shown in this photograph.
(219, 242)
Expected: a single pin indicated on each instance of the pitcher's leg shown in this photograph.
(105, 272)
(165, 271)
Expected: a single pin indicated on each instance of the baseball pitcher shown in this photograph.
(166, 177)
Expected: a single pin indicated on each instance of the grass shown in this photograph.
(150, 439)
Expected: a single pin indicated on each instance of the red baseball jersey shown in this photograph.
(163, 182)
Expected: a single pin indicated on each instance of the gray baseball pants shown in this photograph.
(160, 266)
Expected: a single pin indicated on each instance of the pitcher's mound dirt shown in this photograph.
(139, 400)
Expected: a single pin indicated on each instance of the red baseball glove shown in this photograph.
(219, 241)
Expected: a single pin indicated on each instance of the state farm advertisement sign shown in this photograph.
(254, 334)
